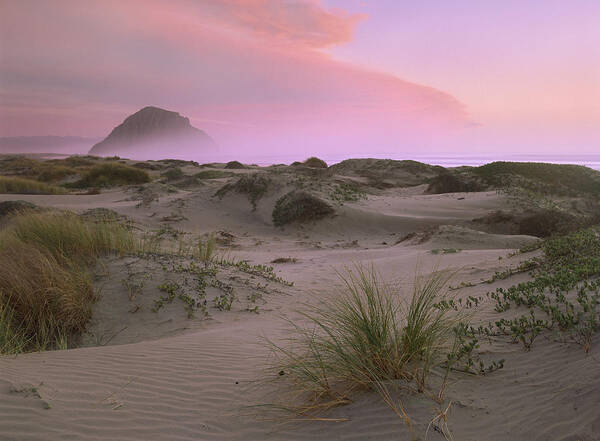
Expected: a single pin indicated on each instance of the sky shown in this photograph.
(306, 76)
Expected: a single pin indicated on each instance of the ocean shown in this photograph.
(592, 161)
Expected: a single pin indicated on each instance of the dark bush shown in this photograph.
(450, 183)
(315, 162)
(235, 165)
(8, 208)
(549, 222)
(299, 206)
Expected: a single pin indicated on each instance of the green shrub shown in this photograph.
(27, 186)
(299, 206)
(108, 175)
(315, 162)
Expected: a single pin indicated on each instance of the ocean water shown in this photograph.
(592, 161)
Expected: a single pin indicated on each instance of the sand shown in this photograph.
(163, 376)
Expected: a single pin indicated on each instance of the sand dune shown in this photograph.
(167, 377)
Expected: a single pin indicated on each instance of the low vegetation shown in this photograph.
(213, 174)
(112, 174)
(254, 186)
(315, 162)
(235, 165)
(45, 286)
(299, 206)
(17, 185)
(366, 339)
(561, 179)
(9, 208)
(173, 174)
(546, 223)
(447, 182)
(563, 295)
(55, 173)
(346, 192)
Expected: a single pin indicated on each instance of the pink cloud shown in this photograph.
(248, 71)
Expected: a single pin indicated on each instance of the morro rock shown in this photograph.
(154, 133)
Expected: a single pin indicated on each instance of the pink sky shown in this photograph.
(339, 75)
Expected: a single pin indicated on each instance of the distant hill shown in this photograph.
(154, 133)
(45, 144)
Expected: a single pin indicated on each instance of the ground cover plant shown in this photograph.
(346, 192)
(45, 286)
(563, 295)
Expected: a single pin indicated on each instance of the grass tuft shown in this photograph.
(363, 339)
(45, 288)
(27, 186)
(112, 174)
(254, 186)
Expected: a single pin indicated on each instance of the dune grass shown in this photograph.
(363, 340)
(547, 178)
(46, 292)
(54, 172)
(112, 174)
(254, 186)
(213, 174)
(14, 185)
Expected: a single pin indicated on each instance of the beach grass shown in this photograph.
(112, 174)
(363, 339)
(17, 185)
(46, 291)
